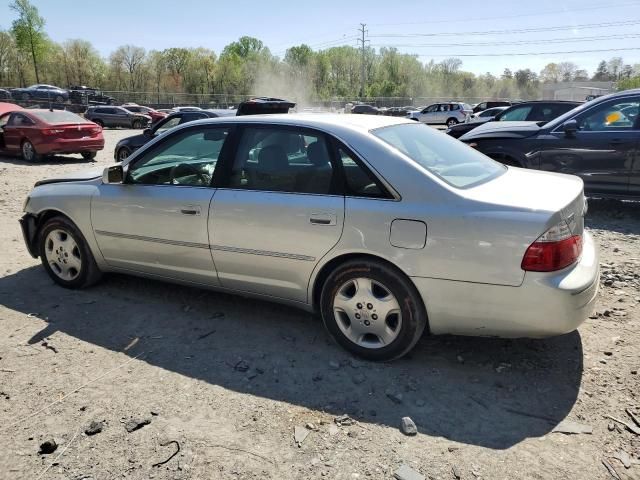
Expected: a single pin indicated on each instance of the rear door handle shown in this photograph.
(323, 219)
(190, 210)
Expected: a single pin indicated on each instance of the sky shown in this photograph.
(483, 29)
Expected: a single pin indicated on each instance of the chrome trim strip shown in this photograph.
(222, 248)
(152, 239)
(264, 253)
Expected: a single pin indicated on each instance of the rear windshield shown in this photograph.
(58, 116)
(449, 159)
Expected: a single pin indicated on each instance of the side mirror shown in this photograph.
(147, 132)
(113, 174)
(570, 127)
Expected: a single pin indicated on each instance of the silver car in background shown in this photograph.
(446, 113)
(385, 227)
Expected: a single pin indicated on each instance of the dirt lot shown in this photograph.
(228, 379)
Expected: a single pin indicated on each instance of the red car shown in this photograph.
(35, 133)
(154, 114)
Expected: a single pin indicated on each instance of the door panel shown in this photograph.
(270, 242)
(156, 222)
(156, 229)
(603, 160)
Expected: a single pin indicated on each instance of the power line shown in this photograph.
(511, 31)
(516, 42)
(521, 15)
(330, 43)
(456, 55)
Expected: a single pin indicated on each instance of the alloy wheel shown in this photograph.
(28, 152)
(63, 254)
(367, 313)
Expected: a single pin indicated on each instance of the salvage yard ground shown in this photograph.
(125, 374)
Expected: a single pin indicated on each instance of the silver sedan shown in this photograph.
(385, 227)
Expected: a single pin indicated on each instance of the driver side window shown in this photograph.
(613, 116)
(187, 158)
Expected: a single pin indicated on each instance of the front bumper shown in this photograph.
(546, 304)
(29, 228)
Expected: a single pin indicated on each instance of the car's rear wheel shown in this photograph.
(59, 99)
(123, 153)
(372, 310)
(65, 254)
(26, 97)
(29, 153)
(137, 124)
(451, 122)
(89, 155)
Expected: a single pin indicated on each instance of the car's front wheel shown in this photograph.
(451, 122)
(59, 99)
(65, 254)
(89, 155)
(123, 153)
(372, 310)
(137, 124)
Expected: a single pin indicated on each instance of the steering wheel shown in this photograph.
(186, 168)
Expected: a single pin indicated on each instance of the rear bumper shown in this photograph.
(75, 145)
(546, 304)
(29, 227)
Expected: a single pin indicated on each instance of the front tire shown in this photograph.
(29, 153)
(137, 124)
(59, 99)
(89, 155)
(65, 254)
(372, 310)
(451, 122)
(123, 153)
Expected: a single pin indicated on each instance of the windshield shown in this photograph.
(58, 116)
(449, 159)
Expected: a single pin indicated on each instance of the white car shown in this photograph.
(448, 113)
(485, 115)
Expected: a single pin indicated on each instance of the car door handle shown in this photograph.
(190, 210)
(323, 219)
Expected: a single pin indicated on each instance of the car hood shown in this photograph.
(502, 130)
(81, 176)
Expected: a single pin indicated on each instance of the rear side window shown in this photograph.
(19, 120)
(283, 160)
(359, 181)
(447, 158)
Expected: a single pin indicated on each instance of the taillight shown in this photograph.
(554, 250)
(52, 131)
(96, 130)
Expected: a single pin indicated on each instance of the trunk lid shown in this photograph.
(536, 192)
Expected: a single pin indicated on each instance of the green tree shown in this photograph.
(602, 72)
(28, 31)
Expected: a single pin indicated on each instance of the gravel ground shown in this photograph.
(227, 380)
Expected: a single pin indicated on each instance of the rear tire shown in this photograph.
(26, 97)
(29, 153)
(137, 124)
(59, 99)
(65, 255)
(372, 310)
(89, 155)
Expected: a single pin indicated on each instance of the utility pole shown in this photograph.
(362, 30)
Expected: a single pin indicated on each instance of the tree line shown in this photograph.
(247, 66)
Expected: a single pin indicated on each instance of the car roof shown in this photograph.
(9, 107)
(362, 123)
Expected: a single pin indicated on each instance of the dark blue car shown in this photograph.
(41, 92)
